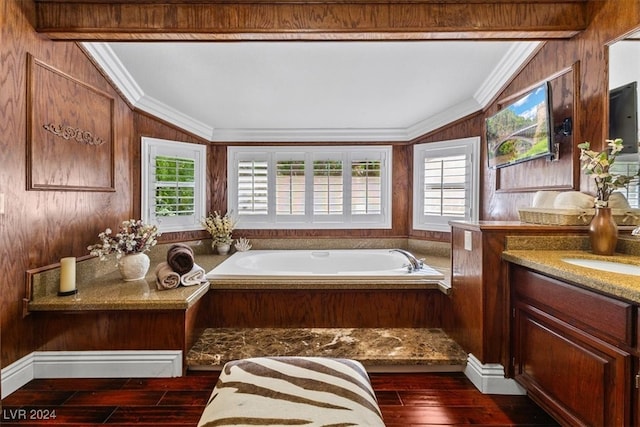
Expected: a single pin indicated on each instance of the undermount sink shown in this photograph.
(610, 266)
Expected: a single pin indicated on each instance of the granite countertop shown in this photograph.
(550, 262)
(105, 289)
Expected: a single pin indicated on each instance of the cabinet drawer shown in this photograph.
(604, 317)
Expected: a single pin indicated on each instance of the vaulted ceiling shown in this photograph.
(310, 71)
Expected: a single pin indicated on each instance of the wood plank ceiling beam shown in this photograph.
(111, 20)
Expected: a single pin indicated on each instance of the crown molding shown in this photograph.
(504, 70)
(309, 135)
(167, 113)
(106, 58)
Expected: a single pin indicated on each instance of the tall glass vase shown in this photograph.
(603, 232)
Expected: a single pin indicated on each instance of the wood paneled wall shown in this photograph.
(40, 227)
(586, 53)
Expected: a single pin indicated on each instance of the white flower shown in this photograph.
(220, 227)
(598, 165)
(133, 237)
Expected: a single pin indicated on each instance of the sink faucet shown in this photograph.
(414, 263)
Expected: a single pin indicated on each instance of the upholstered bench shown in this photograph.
(310, 391)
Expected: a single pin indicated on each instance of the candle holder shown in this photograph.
(67, 293)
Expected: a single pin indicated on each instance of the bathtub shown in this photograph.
(371, 266)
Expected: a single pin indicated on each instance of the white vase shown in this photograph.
(134, 266)
(223, 248)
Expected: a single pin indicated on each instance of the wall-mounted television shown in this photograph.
(521, 131)
(623, 116)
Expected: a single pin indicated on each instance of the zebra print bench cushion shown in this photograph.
(305, 391)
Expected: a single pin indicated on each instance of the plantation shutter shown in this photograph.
(290, 186)
(445, 183)
(310, 187)
(328, 187)
(366, 187)
(173, 184)
(445, 186)
(253, 187)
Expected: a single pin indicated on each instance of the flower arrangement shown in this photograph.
(599, 165)
(220, 227)
(133, 237)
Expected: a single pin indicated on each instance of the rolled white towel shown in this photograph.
(194, 277)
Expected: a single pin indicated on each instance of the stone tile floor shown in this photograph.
(379, 349)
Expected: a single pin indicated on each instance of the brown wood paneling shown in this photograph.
(40, 227)
(323, 308)
(609, 20)
(112, 330)
(467, 293)
(310, 20)
(69, 132)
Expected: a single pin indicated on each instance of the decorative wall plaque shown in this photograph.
(70, 133)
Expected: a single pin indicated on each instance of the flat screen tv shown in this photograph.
(522, 130)
(623, 116)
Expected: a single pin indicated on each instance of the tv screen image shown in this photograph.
(522, 130)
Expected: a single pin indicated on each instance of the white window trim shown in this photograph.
(344, 221)
(470, 146)
(178, 149)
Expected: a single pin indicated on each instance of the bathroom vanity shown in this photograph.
(574, 336)
(567, 333)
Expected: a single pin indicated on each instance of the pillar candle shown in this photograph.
(67, 274)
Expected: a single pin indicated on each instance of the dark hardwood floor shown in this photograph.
(405, 399)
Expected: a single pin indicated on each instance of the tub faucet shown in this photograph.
(414, 263)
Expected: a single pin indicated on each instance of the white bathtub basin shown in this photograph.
(320, 263)
(610, 266)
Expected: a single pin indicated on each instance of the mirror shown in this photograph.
(624, 70)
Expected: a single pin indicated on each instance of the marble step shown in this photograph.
(379, 349)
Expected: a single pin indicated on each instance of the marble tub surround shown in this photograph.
(376, 348)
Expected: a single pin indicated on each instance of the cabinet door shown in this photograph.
(579, 379)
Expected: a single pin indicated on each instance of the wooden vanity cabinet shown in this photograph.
(480, 288)
(574, 350)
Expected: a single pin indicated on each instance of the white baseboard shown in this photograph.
(90, 364)
(489, 378)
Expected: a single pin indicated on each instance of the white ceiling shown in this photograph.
(310, 91)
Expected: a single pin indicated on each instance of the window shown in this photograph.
(310, 187)
(446, 176)
(173, 184)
